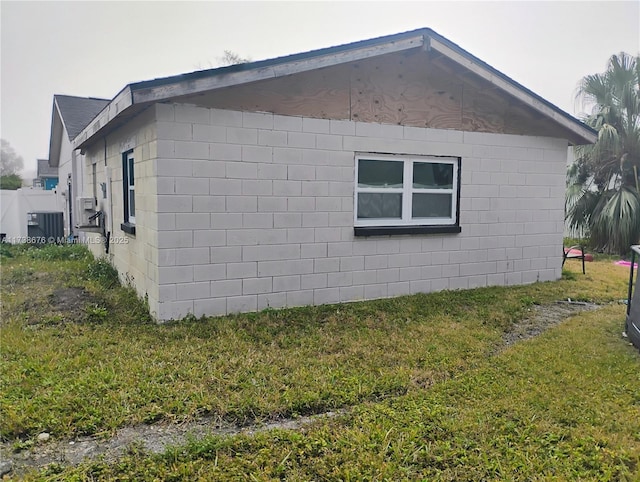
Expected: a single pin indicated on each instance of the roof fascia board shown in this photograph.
(59, 112)
(55, 137)
(516, 91)
(159, 90)
(120, 102)
(188, 87)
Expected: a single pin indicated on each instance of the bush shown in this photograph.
(10, 182)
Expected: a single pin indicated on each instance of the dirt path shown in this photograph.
(154, 439)
(543, 318)
(158, 437)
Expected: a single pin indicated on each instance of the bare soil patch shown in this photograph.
(542, 318)
(61, 305)
(152, 439)
(69, 299)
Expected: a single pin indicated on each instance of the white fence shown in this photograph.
(14, 206)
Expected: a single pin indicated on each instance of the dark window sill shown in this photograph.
(391, 230)
(128, 228)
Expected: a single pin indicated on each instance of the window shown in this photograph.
(129, 193)
(405, 195)
(94, 181)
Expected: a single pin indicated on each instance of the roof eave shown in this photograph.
(163, 89)
(220, 78)
(514, 89)
(159, 90)
(55, 136)
(119, 104)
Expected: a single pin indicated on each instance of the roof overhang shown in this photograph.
(110, 118)
(134, 97)
(56, 135)
(509, 86)
(148, 92)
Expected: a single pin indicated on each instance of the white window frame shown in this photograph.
(131, 218)
(407, 191)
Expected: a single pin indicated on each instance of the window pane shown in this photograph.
(131, 178)
(132, 202)
(432, 175)
(431, 205)
(380, 173)
(377, 205)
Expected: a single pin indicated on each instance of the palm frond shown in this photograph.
(579, 206)
(615, 221)
(602, 186)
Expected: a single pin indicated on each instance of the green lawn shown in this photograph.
(429, 399)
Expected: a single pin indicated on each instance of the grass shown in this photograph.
(565, 405)
(562, 407)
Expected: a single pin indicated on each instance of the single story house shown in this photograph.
(69, 116)
(397, 165)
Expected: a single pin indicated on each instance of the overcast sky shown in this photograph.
(96, 48)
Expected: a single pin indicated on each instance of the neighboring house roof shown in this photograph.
(77, 112)
(135, 96)
(45, 170)
(72, 114)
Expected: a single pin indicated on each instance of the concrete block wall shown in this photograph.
(134, 256)
(255, 210)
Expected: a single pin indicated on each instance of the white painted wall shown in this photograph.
(255, 210)
(65, 168)
(135, 257)
(15, 205)
(71, 163)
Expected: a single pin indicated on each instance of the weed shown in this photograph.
(18, 274)
(96, 313)
(20, 445)
(189, 318)
(51, 319)
(8, 251)
(130, 307)
(5, 251)
(55, 252)
(53, 469)
(528, 300)
(102, 271)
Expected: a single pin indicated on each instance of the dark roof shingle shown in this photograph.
(45, 170)
(77, 112)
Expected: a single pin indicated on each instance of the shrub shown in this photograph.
(10, 182)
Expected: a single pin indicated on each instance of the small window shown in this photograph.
(94, 181)
(129, 192)
(398, 192)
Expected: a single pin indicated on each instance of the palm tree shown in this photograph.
(603, 188)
